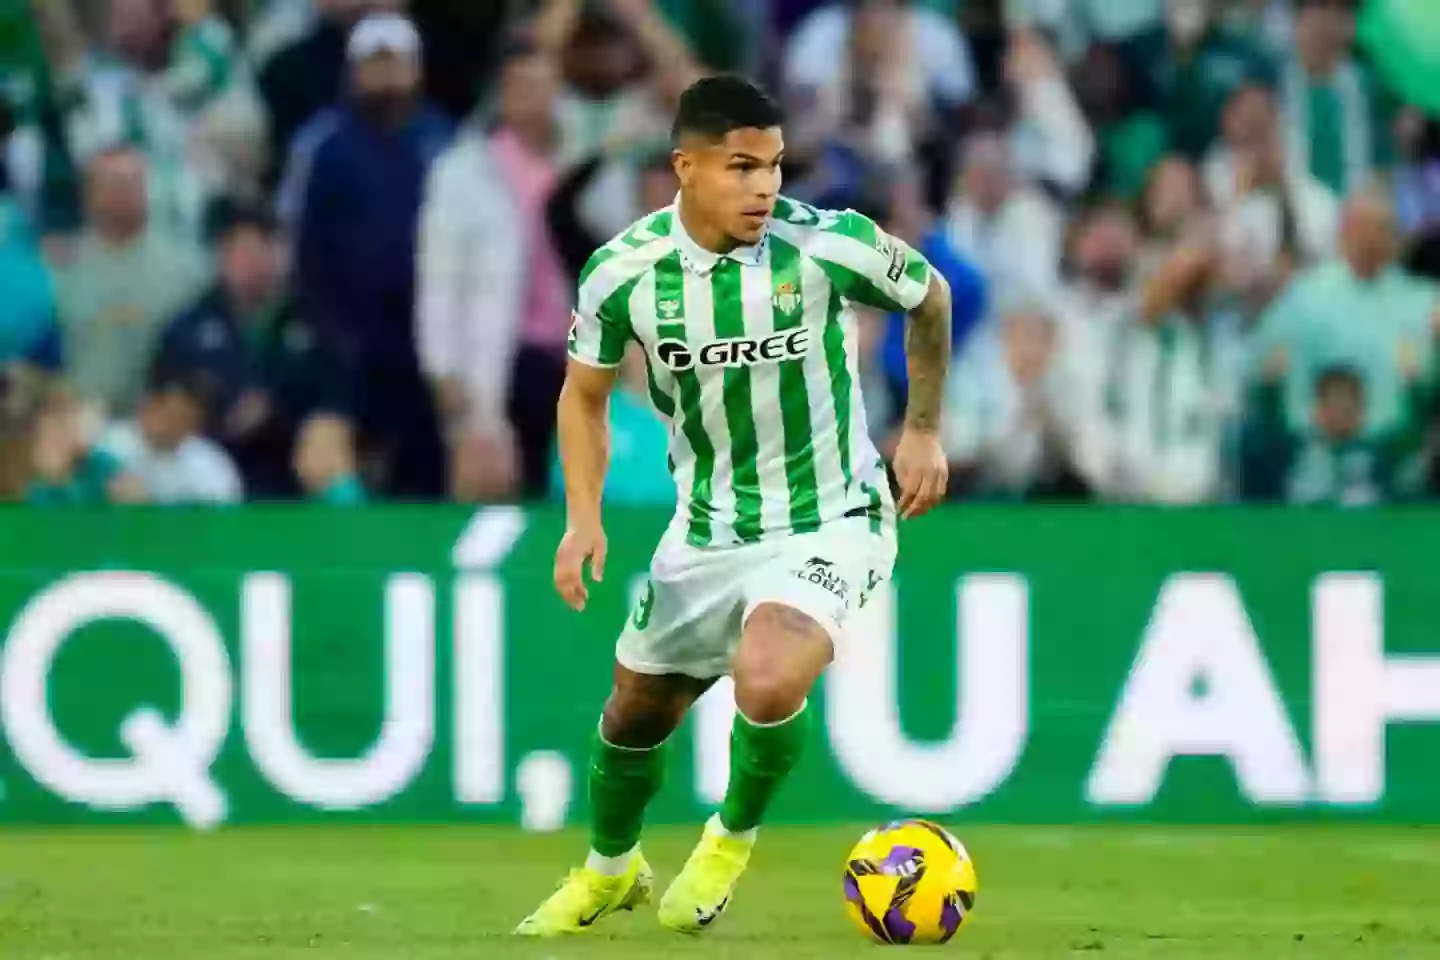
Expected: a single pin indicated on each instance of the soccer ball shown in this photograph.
(909, 882)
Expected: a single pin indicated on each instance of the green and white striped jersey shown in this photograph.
(752, 360)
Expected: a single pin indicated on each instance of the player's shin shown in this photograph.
(761, 757)
(622, 782)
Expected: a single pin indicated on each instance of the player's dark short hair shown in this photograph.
(1340, 377)
(714, 106)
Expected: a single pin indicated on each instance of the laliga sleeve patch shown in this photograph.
(897, 263)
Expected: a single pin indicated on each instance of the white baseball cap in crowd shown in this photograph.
(383, 33)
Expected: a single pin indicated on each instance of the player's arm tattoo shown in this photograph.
(927, 355)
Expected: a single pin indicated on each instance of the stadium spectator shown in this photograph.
(22, 53)
(23, 394)
(352, 198)
(325, 462)
(1337, 120)
(869, 75)
(211, 85)
(1098, 299)
(897, 47)
(1130, 137)
(1014, 425)
(39, 42)
(624, 69)
(1333, 460)
(1050, 140)
(1188, 68)
(1359, 311)
(1173, 209)
(169, 80)
(601, 196)
(1099, 292)
(905, 216)
(1174, 386)
(1236, 127)
(1417, 179)
(162, 446)
(67, 466)
(27, 309)
(1274, 217)
(126, 280)
(1082, 25)
(1010, 230)
(1417, 192)
(724, 35)
(275, 25)
(494, 306)
(1270, 24)
(272, 371)
(309, 74)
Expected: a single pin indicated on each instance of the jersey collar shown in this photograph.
(702, 261)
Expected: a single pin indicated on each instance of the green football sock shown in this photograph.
(622, 781)
(761, 756)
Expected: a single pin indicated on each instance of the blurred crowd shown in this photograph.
(326, 249)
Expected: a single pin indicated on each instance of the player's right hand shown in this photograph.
(580, 544)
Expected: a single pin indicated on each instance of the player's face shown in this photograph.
(733, 183)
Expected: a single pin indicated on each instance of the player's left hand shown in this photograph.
(582, 544)
(922, 470)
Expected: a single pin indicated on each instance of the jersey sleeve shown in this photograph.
(600, 324)
(868, 265)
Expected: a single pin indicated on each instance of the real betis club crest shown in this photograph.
(786, 299)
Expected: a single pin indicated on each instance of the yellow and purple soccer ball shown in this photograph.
(910, 882)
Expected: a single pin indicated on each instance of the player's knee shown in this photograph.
(637, 722)
(769, 697)
(783, 653)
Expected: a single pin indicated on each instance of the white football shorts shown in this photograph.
(690, 615)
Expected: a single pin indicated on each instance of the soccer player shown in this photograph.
(740, 300)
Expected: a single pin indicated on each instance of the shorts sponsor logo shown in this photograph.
(678, 356)
(821, 572)
(643, 608)
(871, 582)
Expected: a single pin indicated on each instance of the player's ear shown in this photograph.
(684, 164)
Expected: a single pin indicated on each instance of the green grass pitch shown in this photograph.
(446, 893)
